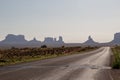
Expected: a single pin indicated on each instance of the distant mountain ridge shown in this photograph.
(12, 40)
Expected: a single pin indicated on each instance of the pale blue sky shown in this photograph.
(75, 20)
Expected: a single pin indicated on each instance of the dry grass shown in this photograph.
(16, 55)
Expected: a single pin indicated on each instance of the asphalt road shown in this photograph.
(92, 65)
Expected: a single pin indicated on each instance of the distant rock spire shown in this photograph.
(34, 39)
(90, 41)
(60, 39)
(90, 38)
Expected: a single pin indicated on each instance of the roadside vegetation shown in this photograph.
(116, 57)
(19, 55)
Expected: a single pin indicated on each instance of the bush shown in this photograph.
(22, 54)
(116, 58)
(43, 46)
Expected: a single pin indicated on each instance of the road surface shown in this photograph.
(92, 65)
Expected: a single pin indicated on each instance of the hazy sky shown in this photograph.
(75, 20)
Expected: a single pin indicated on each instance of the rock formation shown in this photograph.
(35, 41)
(116, 40)
(90, 42)
(10, 38)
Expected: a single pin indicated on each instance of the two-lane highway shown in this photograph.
(92, 65)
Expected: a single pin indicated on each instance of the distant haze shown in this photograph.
(75, 20)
